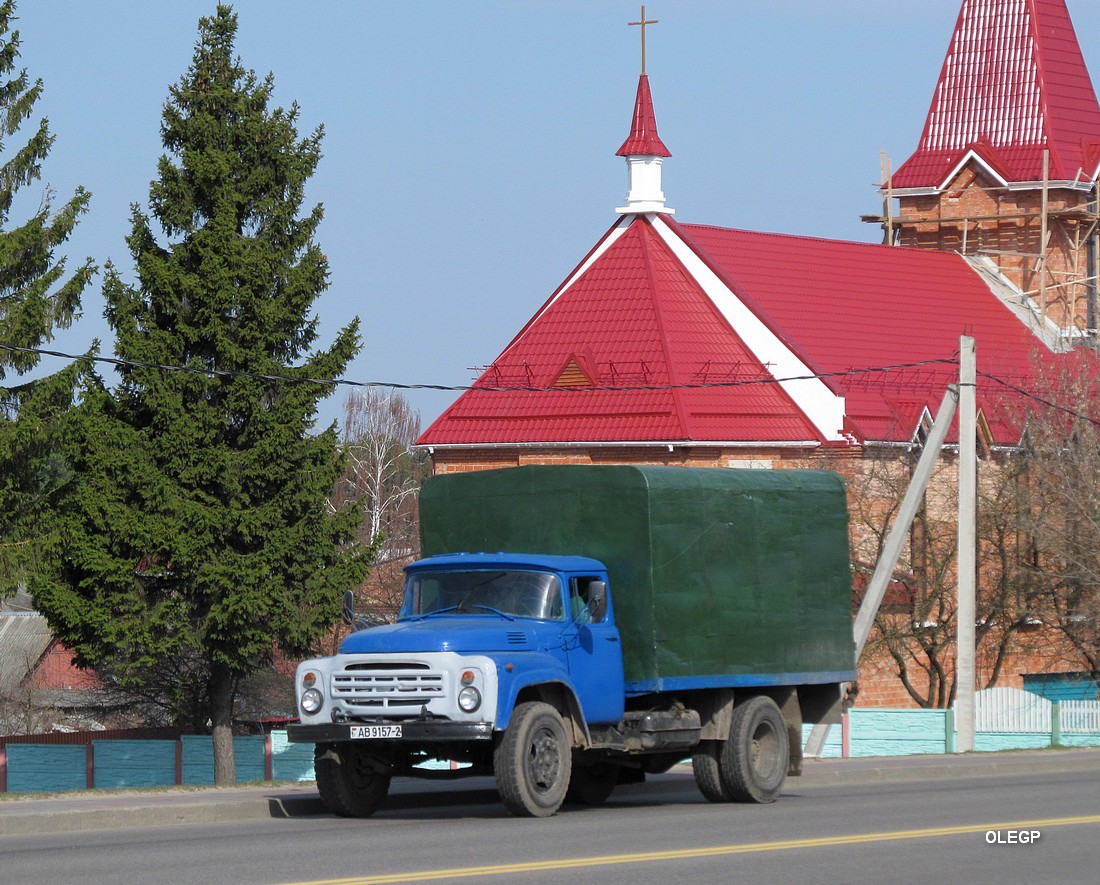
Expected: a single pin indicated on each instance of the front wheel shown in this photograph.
(348, 780)
(533, 761)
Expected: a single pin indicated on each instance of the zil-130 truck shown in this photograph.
(571, 628)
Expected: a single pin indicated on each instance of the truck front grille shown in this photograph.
(387, 687)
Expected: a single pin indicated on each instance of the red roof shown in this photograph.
(637, 318)
(643, 139)
(634, 319)
(1013, 84)
(852, 306)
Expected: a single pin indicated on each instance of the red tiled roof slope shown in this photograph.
(638, 320)
(1013, 84)
(851, 306)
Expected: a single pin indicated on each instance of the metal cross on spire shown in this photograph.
(643, 23)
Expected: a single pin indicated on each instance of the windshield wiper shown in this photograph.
(489, 608)
(438, 611)
(464, 607)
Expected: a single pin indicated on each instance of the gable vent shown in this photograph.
(572, 375)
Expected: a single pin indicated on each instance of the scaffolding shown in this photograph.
(1077, 226)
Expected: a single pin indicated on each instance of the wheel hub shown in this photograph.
(544, 762)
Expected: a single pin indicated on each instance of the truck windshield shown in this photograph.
(519, 594)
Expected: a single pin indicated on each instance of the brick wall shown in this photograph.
(56, 671)
(487, 458)
(974, 216)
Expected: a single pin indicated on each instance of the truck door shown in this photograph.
(595, 656)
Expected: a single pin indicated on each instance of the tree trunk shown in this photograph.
(221, 717)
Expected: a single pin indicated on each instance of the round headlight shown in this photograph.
(312, 701)
(469, 699)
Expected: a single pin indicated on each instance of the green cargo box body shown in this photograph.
(719, 577)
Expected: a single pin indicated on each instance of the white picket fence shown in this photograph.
(1010, 710)
(1080, 716)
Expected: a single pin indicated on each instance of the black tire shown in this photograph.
(533, 761)
(349, 784)
(706, 766)
(753, 762)
(592, 784)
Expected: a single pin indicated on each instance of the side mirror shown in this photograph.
(597, 600)
(348, 608)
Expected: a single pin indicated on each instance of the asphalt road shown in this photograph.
(1003, 818)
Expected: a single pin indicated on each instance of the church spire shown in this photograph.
(1013, 85)
(643, 149)
(643, 138)
(1008, 161)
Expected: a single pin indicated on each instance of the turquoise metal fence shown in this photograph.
(116, 764)
(46, 768)
(198, 759)
(1005, 719)
(291, 762)
(134, 763)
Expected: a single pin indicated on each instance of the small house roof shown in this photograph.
(24, 638)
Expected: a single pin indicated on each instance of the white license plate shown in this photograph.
(375, 732)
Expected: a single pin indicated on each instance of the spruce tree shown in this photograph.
(201, 542)
(36, 297)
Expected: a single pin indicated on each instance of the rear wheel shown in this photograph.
(348, 780)
(706, 766)
(533, 761)
(754, 761)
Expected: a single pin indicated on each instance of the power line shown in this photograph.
(336, 382)
(588, 388)
(1039, 399)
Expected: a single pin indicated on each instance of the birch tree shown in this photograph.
(383, 477)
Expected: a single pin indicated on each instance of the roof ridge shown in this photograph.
(672, 363)
(878, 247)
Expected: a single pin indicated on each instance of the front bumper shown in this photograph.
(414, 731)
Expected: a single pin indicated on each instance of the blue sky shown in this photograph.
(469, 156)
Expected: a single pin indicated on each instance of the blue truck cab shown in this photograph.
(474, 631)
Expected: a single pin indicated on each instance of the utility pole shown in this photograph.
(895, 541)
(965, 397)
(967, 557)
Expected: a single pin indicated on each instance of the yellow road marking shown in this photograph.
(717, 851)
